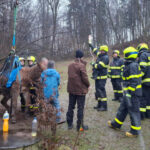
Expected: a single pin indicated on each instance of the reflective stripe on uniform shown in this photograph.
(146, 80)
(132, 77)
(143, 73)
(142, 109)
(33, 107)
(103, 65)
(128, 95)
(95, 66)
(98, 54)
(136, 128)
(116, 91)
(144, 63)
(95, 49)
(115, 76)
(115, 68)
(131, 88)
(102, 77)
(99, 99)
(103, 99)
(118, 121)
(148, 107)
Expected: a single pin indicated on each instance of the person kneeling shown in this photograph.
(132, 93)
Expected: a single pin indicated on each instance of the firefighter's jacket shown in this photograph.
(132, 78)
(144, 62)
(101, 64)
(116, 68)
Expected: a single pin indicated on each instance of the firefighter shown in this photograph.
(31, 61)
(100, 76)
(115, 73)
(144, 62)
(22, 61)
(132, 93)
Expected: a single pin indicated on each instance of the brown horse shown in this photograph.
(29, 76)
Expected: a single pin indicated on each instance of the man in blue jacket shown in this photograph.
(51, 82)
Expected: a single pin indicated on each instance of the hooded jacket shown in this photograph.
(78, 82)
(51, 81)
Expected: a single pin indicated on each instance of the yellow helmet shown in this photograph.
(116, 51)
(142, 46)
(21, 58)
(104, 48)
(130, 53)
(31, 58)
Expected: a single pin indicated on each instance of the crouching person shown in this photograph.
(78, 85)
(51, 81)
(132, 93)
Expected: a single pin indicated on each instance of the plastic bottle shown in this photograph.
(34, 127)
(6, 121)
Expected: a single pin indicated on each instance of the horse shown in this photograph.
(28, 77)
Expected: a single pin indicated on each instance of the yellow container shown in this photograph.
(5, 125)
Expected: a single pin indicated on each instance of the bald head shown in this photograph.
(44, 62)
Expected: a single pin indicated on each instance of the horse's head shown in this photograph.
(39, 68)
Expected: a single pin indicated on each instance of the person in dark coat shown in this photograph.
(77, 88)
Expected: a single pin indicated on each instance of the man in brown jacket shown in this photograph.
(77, 88)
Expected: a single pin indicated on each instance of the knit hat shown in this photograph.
(79, 54)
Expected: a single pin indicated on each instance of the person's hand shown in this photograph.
(90, 39)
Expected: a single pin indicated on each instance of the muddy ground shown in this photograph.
(99, 136)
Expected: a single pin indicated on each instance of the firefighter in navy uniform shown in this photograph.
(144, 62)
(22, 61)
(31, 62)
(132, 93)
(115, 73)
(100, 75)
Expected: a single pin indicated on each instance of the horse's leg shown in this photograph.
(5, 100)
(14, 97)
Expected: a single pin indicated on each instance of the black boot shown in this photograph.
(98, 105)
(143, 115)
(147, 114)
(70, 126)
(103, 107)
